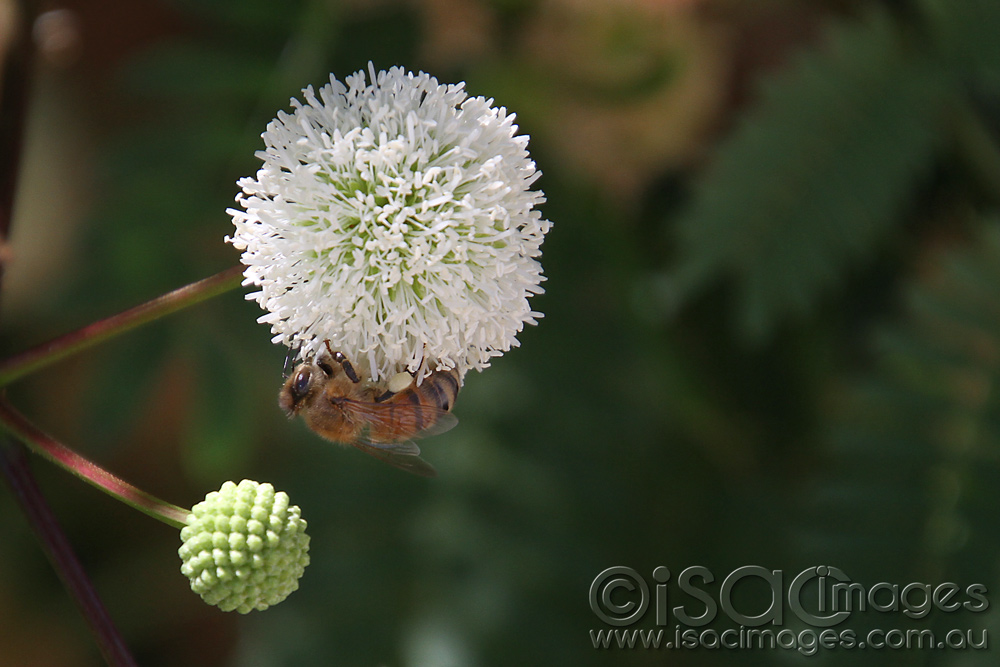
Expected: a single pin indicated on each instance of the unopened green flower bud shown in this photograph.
(245, 547)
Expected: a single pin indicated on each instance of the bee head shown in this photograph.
(301, 384)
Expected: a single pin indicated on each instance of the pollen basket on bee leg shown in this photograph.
(399, 382)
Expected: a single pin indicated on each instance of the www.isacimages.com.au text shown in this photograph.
(806, 641)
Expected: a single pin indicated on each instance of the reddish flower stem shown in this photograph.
(15, 469)
(15, 82)
(22, 429)
(48, 353)
(13, 463)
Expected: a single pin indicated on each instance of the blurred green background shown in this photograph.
(771, 332)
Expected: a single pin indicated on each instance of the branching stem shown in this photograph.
(59, 348)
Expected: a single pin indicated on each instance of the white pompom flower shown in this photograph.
(394, 218)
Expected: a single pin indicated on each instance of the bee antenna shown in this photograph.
(285, 369)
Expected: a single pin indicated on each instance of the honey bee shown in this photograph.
(379, 419)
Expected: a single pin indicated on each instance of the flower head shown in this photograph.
(395, 219)
(244, 547)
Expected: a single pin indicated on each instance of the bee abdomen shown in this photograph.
(440, 389)
(416, 408)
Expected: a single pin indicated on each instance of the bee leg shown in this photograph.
(345, 364)
(289, 361)
(348, 368)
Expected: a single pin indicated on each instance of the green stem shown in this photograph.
(40, 443)
(48, 353)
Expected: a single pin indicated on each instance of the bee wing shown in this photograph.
(445, 422)
(406, 418)
(402, 455)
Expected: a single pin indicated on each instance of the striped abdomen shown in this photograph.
(418, 410)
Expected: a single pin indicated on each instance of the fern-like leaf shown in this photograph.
(913, 490)
(816, 174)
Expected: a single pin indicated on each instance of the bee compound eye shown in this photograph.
(301, 384)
